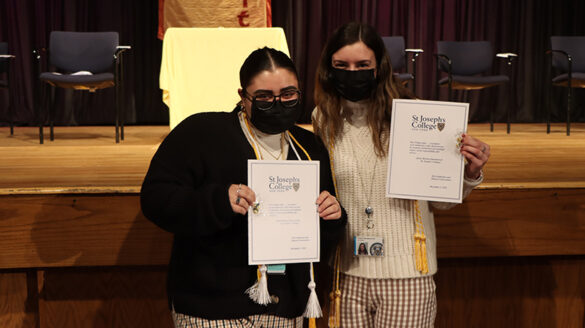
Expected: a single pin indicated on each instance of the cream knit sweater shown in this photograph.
(361, 181)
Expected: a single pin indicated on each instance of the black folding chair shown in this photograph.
(84, 61)
(568, 58)
(398, 54)
(5, 59)
(466, 63)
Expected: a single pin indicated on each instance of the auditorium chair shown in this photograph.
(5, 59)
(468, 64)
(87, 61)
(568, 59)
(399, 58)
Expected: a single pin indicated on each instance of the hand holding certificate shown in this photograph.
(424, 158)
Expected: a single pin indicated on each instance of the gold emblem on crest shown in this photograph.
(440, 126)
(296, 186)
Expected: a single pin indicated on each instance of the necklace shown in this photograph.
(369, 210)
(266, 148)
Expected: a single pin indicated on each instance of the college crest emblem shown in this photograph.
(440, 126)
(296, 186)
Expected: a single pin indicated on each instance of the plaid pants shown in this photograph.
(383, 303)
(253, 321)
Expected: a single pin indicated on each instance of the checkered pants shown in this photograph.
(253, 321)
(382, 303)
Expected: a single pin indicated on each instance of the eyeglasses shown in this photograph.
(265, 101)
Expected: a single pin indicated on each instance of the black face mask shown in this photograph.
(276, 119)
(354, 85)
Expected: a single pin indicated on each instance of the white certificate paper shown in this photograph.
(285, 227)
(423, 158)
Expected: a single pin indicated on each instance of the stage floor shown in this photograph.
(87, 160)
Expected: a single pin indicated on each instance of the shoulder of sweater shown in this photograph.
(208, 127)
(205, 124)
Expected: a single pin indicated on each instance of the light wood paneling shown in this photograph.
(78, 230)
(513, 222)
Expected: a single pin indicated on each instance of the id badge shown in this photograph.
(276, 269)
(368, 246)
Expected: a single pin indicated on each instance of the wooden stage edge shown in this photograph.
(87, 160)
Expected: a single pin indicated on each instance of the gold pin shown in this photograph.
(256, 207)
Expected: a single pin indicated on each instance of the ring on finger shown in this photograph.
(238, 200)
(483, 149)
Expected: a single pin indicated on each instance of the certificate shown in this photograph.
(283, 224)
(424, 161)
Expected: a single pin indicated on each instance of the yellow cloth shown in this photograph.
(200, 69)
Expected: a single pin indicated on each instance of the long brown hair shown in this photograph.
(328, 123)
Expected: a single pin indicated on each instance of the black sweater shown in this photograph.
(186, 193)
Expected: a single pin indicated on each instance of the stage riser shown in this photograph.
(104, 230)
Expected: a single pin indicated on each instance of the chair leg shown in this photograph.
(10, 114)
(39, 102)
(569, 100)
(117, 105)
(414, 78)
(122, 110)
(51, 112)
(492, 118)
(510, 105)
(547, 105)
(437, 82)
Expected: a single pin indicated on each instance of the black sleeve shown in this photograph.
(173, 195)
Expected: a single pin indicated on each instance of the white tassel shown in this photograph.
(313, 309)
(259, 291)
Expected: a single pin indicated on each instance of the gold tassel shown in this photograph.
(331, 320)
(420, 243)
(312, 323)
(425, 263)
(420, 253)
(337, 308)
(335, 295)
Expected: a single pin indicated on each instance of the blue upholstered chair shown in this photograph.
(5, 59)
(568, 59)
(398, 54)
(467, 64)
(83, 61)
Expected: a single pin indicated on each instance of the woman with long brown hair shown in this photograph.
(393, 285)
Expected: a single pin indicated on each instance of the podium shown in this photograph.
(200, 68)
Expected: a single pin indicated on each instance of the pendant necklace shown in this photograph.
(369, 210)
